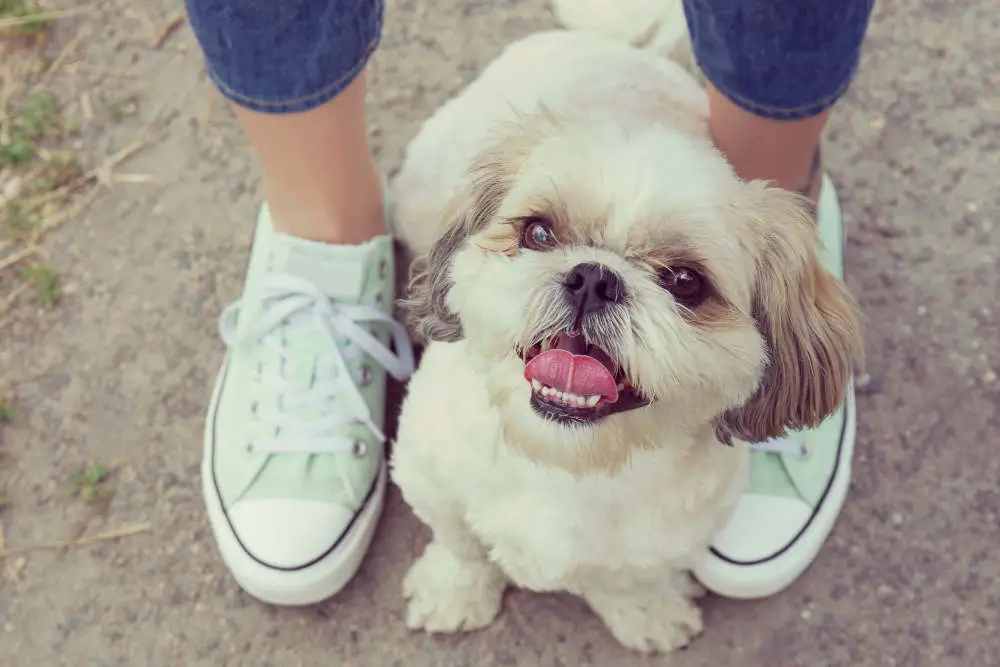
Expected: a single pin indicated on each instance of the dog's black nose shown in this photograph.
(591, 287)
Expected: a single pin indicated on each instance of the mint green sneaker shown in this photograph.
(293, 470)
(798, 483)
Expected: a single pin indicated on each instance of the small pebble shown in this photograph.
(12, 188)
(897, 518)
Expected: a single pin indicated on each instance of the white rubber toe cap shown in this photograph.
(761, 527)
(288, 533)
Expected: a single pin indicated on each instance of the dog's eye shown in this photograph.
(537, 234)
(686, 285)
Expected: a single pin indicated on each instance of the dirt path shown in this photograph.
(120, 372)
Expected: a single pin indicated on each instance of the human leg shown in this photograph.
(319, 178)
(294, 75)
(783, 151)
(774, 69)
(293, 470)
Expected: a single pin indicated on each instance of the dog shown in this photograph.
(611, 315)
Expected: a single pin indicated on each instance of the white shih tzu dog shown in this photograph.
(611, 314)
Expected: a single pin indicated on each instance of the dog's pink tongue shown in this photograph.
(574, 373)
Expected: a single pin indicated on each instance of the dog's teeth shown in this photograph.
(565, 396)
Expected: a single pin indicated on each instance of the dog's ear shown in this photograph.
(468, 213)
(806, 315)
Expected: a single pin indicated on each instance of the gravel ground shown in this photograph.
(910, 576)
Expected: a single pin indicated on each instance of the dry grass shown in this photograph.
(43, 181)
(81, 541)
(46, 181)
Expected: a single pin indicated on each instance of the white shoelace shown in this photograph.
(334, 400)
(785, 446)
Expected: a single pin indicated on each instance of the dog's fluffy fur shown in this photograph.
(608, 144)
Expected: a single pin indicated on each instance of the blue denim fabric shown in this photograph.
(781, 59)
(283, 56)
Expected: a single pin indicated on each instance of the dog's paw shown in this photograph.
(447, 594)
(649, 623)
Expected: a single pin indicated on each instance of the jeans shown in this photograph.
(781, 59)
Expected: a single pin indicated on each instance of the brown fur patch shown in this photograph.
(470, 213)
(806, 315)
(502, 237)
(715, 311)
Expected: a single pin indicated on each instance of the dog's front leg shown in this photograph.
(646, 614)
(453, 585)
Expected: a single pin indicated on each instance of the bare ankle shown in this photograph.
(812, 183)
(320, 180)
(783, 152)
(333, 214)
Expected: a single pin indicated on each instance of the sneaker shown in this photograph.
(798, 483)
(294, 470)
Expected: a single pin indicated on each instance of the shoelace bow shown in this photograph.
(291, 300)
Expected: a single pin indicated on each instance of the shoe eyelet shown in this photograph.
(359, 449)
(379, 299)
(383, 269)
(366, 375)
(249, 448)
(805, 453)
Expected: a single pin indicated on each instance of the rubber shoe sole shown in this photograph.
(770, 576)
(320, 579)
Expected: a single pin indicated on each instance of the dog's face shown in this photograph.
(627, 280)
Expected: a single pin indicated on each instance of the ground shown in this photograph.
(117, 373)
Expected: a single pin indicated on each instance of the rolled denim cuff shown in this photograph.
(780, 59)
(285, 56)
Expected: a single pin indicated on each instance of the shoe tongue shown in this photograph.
(344, 273)
(339, 271)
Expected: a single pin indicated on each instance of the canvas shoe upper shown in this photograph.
(294, 450)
